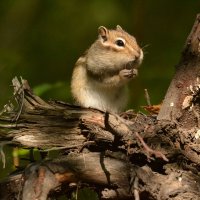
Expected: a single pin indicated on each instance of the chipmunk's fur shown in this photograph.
(100, 75)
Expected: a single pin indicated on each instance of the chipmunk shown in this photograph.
(101, 75)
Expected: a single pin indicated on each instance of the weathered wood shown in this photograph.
(185, 85)
(57, 124)
(113, 178)
(11, 187)
(86, 167)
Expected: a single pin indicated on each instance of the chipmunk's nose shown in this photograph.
(138, 57)
(138, 54)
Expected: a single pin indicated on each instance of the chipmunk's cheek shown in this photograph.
(141, 57)
(135, 63)
(132, 64)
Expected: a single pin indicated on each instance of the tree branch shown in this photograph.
(185, 84)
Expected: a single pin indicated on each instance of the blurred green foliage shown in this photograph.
(41, 41)
(84, 194)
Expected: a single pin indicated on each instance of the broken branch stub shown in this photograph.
(185, 86)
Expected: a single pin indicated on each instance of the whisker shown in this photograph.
(145, 46)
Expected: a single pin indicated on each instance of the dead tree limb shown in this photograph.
(120, 157)
(182, 92)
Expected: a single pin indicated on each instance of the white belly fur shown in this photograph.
(106, 99)
(90, 93)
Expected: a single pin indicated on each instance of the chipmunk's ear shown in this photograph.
(103, 33)
(119, 28)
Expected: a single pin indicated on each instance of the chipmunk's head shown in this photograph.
(120, 47)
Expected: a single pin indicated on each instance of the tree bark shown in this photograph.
(185, 84)
(123, 156)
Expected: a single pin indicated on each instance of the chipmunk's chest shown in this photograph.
(113, 100)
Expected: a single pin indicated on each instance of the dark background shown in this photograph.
(41, 40)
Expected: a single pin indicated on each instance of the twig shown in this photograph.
(3, 158)
(135, 189)
(19, 97)
(147, 97)
(150, 151)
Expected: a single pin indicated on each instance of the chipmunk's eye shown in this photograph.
(120, 43)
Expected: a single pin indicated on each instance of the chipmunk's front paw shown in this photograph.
(128, 73)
